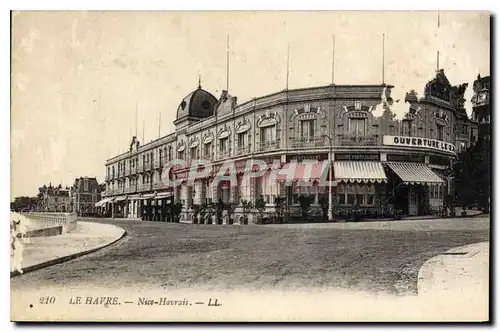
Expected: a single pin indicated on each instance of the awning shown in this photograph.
(411, 173)
(304, 172)
(359, 171)
(104, 201)
(120, 198)
(164, 195)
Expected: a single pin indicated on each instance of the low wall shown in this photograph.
(47, 220)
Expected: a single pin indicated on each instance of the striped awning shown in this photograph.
(307, 172)
(412, 173)
(104, 201)
(359, 171)
(164, 195)
(120, 198)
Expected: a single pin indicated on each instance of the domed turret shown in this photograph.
(197, 104)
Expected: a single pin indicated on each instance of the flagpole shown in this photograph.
(287, 65)
(227, 64)
(383, 58)
(333, 59)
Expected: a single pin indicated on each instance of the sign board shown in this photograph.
(357, 157)
(418, 142)
(302, 157)
(406, 158)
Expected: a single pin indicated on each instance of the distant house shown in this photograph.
(54, 199)
(85, 193)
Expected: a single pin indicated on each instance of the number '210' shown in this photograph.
(47, 300)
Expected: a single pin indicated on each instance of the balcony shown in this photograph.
(358, 140)
(309, 142)
(130, 190)
(127, 171)
(158, 164)
(108, 177)
(223, 154)
(269, 145)
(140, 168)
(244, 149)
(158, 185)
(144, 187)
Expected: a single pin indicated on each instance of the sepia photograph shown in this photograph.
(250, 166)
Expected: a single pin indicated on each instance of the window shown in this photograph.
(194, 152)
(357, 127)
(307, 129)
(223, 145)
(208, 150)
(440, 132)
(268, 134)
(241, 140)
(180, 154)
(407, 128)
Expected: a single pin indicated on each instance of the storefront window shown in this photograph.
(369, 199)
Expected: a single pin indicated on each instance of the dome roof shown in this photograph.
(199, 103)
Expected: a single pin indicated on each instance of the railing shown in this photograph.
(308, 142)
(144, 187)
(245, 149)
(127, 171)
(140, 168)
(158, 163)
(358, 140)
(130, 189)
(223, 155)
(158, 185)
(269, 145)
(44, 220)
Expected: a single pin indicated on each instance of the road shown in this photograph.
(367, 257)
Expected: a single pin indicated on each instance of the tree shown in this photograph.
(323, 202)
(247, 207)
(472, 174)
(260, 206)
(219, 209)
(196, 210)
(230, 207)
(279, 208)
(305, 205)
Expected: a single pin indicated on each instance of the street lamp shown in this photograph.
(330, 193)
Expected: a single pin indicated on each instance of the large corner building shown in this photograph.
(377, 157)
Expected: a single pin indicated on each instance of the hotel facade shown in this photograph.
(377, 158)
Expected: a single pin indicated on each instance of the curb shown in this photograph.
(65, 258)
(426, 270)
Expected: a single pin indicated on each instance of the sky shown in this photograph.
(78, 77)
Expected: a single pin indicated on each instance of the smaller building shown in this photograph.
(85, 193)
(54, 199)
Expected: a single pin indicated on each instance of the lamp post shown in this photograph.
(330, 193)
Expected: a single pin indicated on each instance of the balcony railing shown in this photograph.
(158, 163)
(244, 149)
(129, 190)
(144, 187)
(358, 140)
(269, 145)
(159, 185)
(108, 177)
(140, 168)
(127, 171)
(308, 142)
(223, 155)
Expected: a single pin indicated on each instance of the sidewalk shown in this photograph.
(39, 252)
(458, 277)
